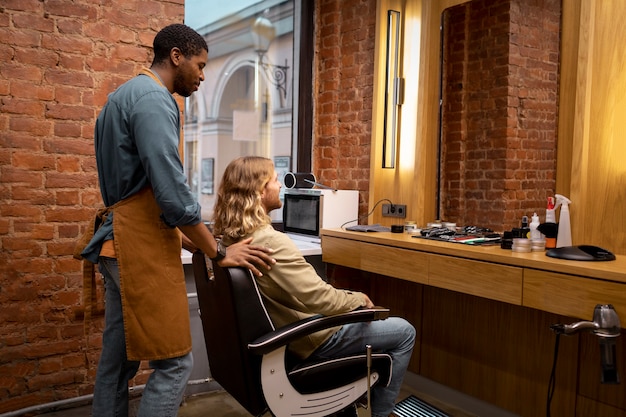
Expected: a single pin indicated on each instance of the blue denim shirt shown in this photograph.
(136, 141)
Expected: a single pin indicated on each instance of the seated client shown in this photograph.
(248, 192)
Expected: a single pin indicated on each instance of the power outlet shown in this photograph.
(394, 210)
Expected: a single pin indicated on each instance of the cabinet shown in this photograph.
(483, 316)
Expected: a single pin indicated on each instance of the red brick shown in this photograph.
(69, 112)
(32, 195)
(33, 22)
(38, 266)
(69, 78)
(65, 248)
(67, 129)
(70, 26)
(33, 162)
(69, 146)
(91, 198)
(68, 265)
(26, 90)
(24, 107)
(55, 379)
(68, 197)
(87, 11)
(68, 94)
(69, 180)
(20, 37)
(68, 214)
(21, 210)
(68, 163)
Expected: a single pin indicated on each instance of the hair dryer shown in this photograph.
(606, 326)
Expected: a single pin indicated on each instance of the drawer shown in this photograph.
(570, 295)
(394, 262)
(482, 279)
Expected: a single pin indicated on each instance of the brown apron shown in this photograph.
(152, 281)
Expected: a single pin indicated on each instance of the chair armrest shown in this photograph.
(287, 334)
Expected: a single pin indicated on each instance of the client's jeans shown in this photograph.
(166, 385)
(394, 336)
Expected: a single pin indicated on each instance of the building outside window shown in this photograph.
(245, 105)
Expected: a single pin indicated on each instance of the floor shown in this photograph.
(218, 403)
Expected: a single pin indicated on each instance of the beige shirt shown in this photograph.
(293, 290)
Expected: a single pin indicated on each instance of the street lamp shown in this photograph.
(263, 33)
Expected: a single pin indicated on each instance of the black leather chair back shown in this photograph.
(232, 316)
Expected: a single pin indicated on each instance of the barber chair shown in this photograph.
(248, 356)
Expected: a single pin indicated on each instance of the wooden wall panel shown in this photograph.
(497, 352)
(595, 398)
(405, 300)
(598, 173)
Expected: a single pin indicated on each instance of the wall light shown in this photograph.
(263, 33)
(394, 90)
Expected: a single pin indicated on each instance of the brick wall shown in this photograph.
(501, 104)
(58, 61)
(344, 65)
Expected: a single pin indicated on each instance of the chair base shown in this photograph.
(350, 411)
(284, 401)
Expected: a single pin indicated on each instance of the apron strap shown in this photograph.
(181, 142)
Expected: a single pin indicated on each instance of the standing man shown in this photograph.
(137, 239)
(249, 191)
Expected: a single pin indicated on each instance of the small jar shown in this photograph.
(538, 245)
(410, 226)
(521, 245)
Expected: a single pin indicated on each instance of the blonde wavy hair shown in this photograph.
(238, 209)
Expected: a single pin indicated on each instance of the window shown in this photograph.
(251, 100)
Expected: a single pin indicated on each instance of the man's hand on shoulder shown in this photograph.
(250, 256)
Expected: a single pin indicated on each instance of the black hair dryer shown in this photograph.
(606, 326)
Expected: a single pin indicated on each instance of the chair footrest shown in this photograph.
(310, 377)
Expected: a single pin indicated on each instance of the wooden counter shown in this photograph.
(569, 288)
(483, 317)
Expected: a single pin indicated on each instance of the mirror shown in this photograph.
(499, 111)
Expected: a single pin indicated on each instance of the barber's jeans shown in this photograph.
(394, 336)
(165, 388)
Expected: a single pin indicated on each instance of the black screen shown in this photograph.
(301, 214)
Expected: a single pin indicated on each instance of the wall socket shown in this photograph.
(398, 210)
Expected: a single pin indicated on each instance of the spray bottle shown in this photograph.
(564, 236)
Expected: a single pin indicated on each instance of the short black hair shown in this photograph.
(179, 36)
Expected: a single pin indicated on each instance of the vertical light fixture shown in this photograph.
(394, 90)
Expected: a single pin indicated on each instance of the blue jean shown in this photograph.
(394, 336)
(166, 385)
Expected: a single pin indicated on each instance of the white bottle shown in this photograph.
(564, 236)
(534, 224)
